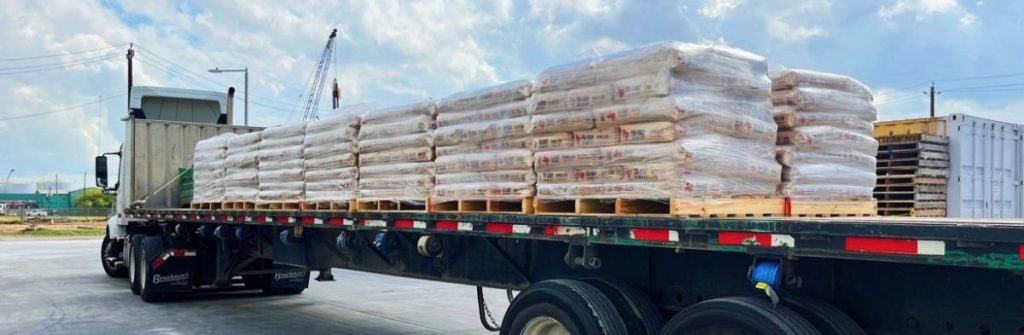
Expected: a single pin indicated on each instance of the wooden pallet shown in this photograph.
(279, 206)
(237, 205)
(816, 208)
(912, 171)
(393, 205)
(621, 207)
(729, 207)
(205, 205)
(514, 206)
(328, 205)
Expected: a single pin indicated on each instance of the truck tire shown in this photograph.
(638, 312)
(828, 319)
(134, 241)
(112, 269)
(151, 247)
(562, 306)
(738, 315)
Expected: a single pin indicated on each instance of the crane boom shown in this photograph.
(316, 87)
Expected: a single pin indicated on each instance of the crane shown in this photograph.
(7, 181)
(316, 86)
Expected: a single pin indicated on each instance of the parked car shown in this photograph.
(36, 212)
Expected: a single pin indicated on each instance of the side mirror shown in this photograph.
(101, 172)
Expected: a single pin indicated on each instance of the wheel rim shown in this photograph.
(544, 325)
(143, 271)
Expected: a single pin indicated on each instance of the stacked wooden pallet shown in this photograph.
(912, 172)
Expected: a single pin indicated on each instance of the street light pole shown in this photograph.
(246, 97)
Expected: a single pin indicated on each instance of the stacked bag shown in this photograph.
(482, 145)
(241, 167)
(826, 143)
(396, 153)
(329, 156)
(670, 120)
(281, 164)
(208, 170)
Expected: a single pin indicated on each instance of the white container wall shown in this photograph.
(986, 163)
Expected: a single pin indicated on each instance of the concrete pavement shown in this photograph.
(58, 287)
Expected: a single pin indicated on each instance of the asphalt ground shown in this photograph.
(58, 287)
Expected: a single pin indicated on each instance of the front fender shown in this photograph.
(116, 229)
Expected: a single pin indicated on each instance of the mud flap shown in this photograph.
(290, 261)
(170, 270)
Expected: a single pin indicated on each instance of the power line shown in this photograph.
(986, 86)
(62, 109)
(62, 54)
(1002, 75)
(34, 66)
(31, 69)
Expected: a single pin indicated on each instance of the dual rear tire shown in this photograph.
(605, 306)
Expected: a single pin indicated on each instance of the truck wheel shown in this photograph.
(738, 315)
(134, 241)
(827, 318)
(638, 312)
(150, 247)
(111, 267)
(562, 306)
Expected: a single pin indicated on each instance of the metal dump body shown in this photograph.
(155, 151)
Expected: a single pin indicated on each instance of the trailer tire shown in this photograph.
(574, 306)
(111, 268)
(828, 319)
(638, 312)
(134, 242)
(738, 315)
(150, 248)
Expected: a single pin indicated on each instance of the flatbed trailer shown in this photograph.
(889, 275)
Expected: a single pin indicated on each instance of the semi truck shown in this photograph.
(574, 274)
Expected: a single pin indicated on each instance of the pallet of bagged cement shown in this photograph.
(912, 172)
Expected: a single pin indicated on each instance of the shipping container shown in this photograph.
(986, 163)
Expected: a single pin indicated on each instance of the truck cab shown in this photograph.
(162, 127)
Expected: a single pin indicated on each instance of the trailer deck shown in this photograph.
(993, 244)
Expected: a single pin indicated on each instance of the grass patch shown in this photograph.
(7, 219)
(43, 232)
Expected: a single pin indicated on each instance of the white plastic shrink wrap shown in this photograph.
(396, 150)
(484, 144)
(241, 184)
(670, 120)
(825, 141)
(281, 164)
(329, 159)
(209, 168)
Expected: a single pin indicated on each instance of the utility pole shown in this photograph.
(931, 94)
(131, 53)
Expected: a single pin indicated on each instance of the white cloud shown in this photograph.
(798, 24)
(923, 9)
(788, 33)
(553, 9)
(718, 8)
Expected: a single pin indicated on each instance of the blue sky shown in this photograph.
(397, 51)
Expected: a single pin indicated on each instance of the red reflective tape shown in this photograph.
(240, 218)
(647, 234)
(336, 221)
(500, 228)
(159, 261)
(281, 220)
(260, 218)
(550, 230)
(224, 217)
(446, 225)
(744, 238)
(307, 220)
(403, 224)
(882, 245)
(1022, 251)
(362, 222)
